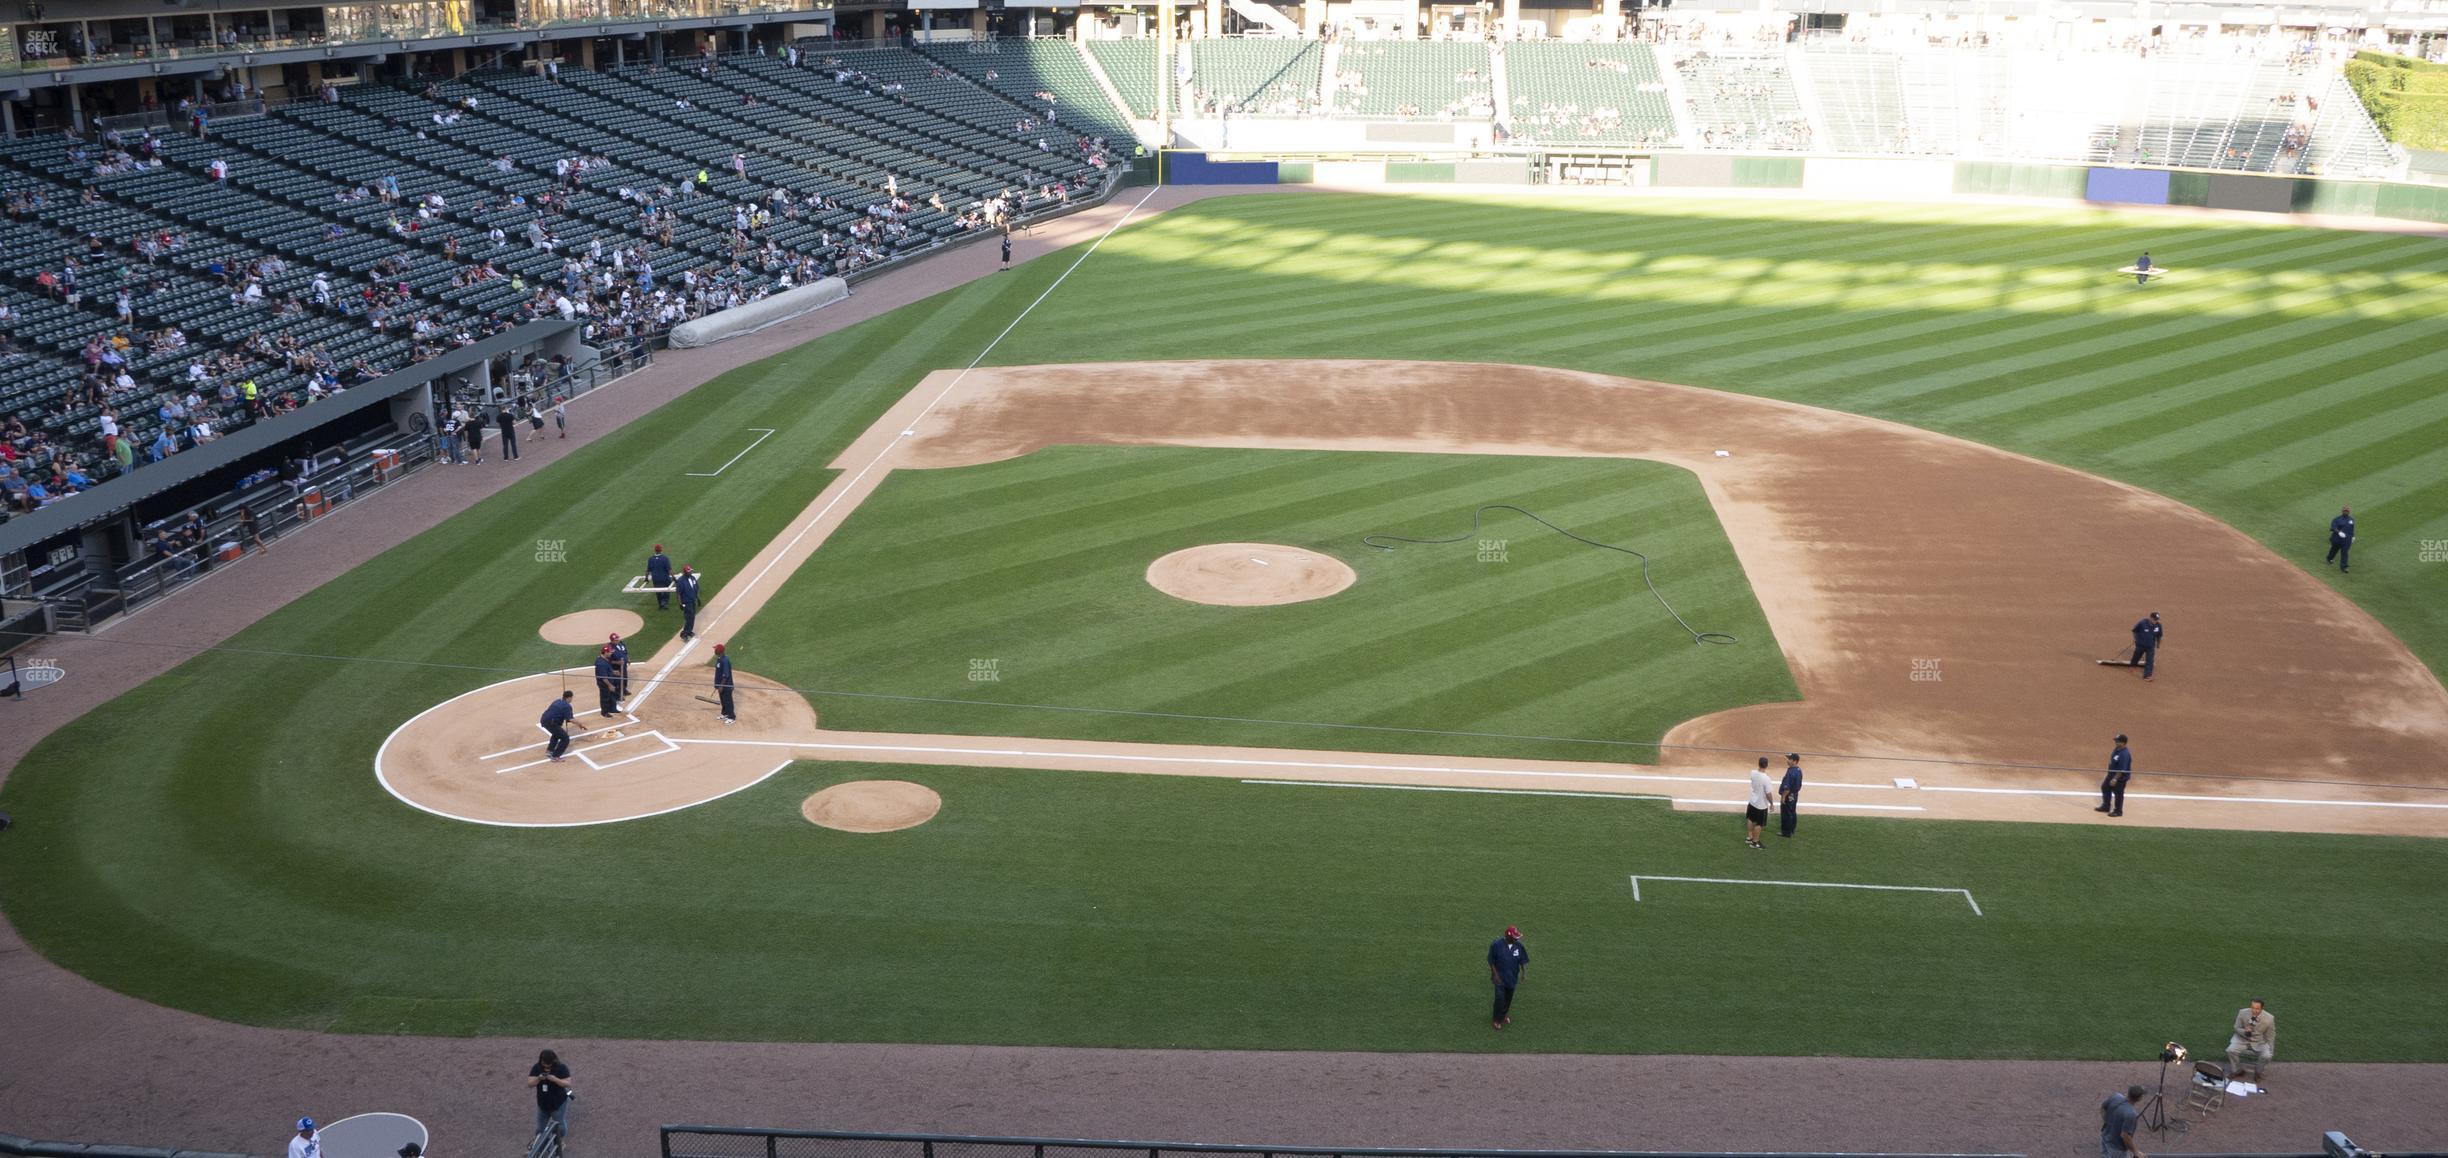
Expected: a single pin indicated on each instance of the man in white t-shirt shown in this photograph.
(1755, 814)
(306, 1144)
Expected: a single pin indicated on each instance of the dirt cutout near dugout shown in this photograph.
(591, 627)
(1248, 574)
(872, 806)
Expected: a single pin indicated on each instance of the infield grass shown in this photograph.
(1024, 583)
(215, 840)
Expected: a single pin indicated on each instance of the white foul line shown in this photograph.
(1443, 788)
(1966, 894)
(2090, 792)
(844, 488)
(765, 434)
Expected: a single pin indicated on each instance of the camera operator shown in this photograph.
(2120, 1120)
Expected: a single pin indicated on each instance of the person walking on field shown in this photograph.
(722, 684)
(2341, 538)
(1007, 249)
(1507, 957)
(557, 717)
(1789, 794)
(658, 574)
(2112, 786)
(1755, 813)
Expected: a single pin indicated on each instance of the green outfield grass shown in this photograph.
(1033, 572)
(215, 840)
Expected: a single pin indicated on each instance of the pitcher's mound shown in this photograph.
(1248, 574)
(872, 806)
(579, 628)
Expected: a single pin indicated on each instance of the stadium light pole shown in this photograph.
(1164, 93)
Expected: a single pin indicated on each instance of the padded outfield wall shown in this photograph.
(1865, 177)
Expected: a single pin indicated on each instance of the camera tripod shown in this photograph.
(2154, 1109)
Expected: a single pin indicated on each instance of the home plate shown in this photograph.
(1258, 561)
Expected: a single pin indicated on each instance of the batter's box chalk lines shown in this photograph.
(1966, 894)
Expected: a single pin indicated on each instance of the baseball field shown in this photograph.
(1959, 458)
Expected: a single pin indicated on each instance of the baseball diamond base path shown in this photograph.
(1942, 604)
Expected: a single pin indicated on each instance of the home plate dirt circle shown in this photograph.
(872, 806)
(591, 626)
(1248, 574)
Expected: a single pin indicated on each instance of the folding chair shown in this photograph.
(2207, 1092)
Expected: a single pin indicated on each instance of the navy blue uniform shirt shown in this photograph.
(2146, 632)
(2121, 760)
(558, 713)
(1792, 784)
(658, 569)
(2341, 529)
(722, 671)
(1507, 957)
(603, 668)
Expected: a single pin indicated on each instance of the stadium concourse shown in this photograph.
(90, 1064)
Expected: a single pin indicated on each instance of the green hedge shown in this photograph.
(2407, 98)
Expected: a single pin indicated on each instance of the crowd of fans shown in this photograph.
(612, 283)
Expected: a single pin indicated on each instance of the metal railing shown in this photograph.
(283, 509)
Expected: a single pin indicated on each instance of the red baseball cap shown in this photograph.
(1513, 932)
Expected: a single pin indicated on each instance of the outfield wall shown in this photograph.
(1864, 177)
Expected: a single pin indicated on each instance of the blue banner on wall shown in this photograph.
(1196, 169)
(2127, 186)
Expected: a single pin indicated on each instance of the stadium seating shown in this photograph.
(1861, 93)
(1426, 80)
(1258, 77)
(1131, 66)
(413, 206)
(2344, 141)
(1743, 100)
(1589, 94)
(1028, 71)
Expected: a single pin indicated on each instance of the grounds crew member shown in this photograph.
(2341, 538)
(607, 683)
(686, 587)
(2142, 269)
(1507, 957)
(557, 717)
(620, 663)
(2112, 786)
(1789, 794)
(722, 684)
(658, 574)
(2146, 635)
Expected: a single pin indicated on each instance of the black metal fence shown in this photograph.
(741, 1142)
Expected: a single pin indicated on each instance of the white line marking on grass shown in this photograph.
(1966, 894)
(762, 435)
(1814, 805)
(2182, 797)
(850, 485)
(1443, 788)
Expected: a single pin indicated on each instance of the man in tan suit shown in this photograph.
(2256, 1034)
